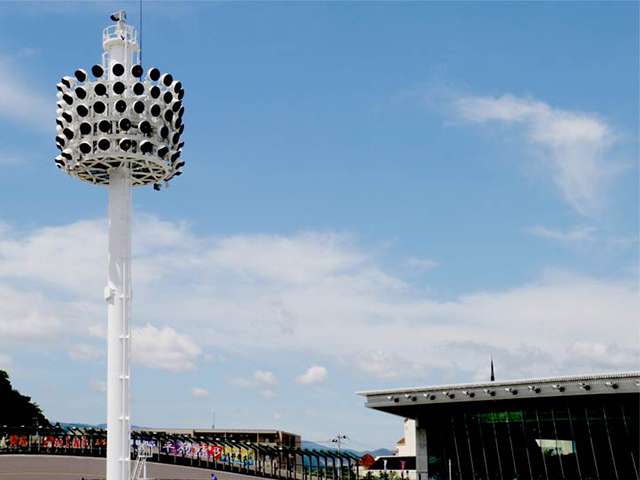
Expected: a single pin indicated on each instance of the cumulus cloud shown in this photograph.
(267, 393)
(314, 375)
(575, 143)
(199, 392)
(98, 386)
(422, 265)
(577, 234)
(260, 379)
(164, 349)
(84, 351)
(19, 100)
(265, 378)
(329, 293)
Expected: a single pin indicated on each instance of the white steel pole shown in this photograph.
(119, 309)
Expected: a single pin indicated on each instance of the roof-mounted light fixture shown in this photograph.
(558, 387)
(491, 393)
(584, 386)
(534, 388)
(469, 393)
(612, 385)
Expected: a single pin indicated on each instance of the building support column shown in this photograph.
(422, 458)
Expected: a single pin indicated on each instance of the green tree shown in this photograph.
(17, 409)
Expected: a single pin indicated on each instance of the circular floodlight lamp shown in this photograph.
(155, 110)
(68, 99)
(67, 153)
(99, 107)
(124, 124)
(155, 92)
(104, 126)
(97, 71)
(137, 71)
(121, 106)
(176, 106)
(61, 141)
(180, 94)
(60, 87)
(104, 143)
(85, 128)
(125, 144)
(175, 138)
(81, 75)
(138, 88)
(167, 97)
(166, 79)
(67, 117)
(145, 127)
(100, 89)
(168, 115)
(146, 146)
(67, 81)
(162, 151)
(81, 93)
(82, 110)
(177, 86)
(68, 133)
(85, 147)
(118, 88)
(153, 74)
(164, 132)
(180, 164)
(117, 69)
(138, 107)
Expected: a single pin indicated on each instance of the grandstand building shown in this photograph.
(582, 427)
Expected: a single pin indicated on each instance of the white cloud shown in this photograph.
(601, 355)
(22, 102)
(314, 375)
(267, 393)
(164, 349)
(265, 378)
(193, 285)
(98, 386)
(277, 417)
(575, 143)
(83, 351)
(422, 265)
(199, 392)
(242, 383)
(577, 234)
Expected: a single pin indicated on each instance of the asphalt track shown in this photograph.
(47, 467)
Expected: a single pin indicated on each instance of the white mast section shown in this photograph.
(119, 45)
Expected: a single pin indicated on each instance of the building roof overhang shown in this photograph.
(407, 402)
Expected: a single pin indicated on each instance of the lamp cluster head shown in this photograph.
(112, 116)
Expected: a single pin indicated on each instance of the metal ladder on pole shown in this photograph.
(140, 467)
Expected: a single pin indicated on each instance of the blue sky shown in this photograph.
(376, 195)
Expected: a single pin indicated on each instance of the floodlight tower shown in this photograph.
(122, 131)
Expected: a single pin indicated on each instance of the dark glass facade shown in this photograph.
(584, 437)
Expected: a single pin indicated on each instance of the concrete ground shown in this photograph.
(48, 467)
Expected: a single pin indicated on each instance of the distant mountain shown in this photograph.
(86, 425)
(374, 453)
